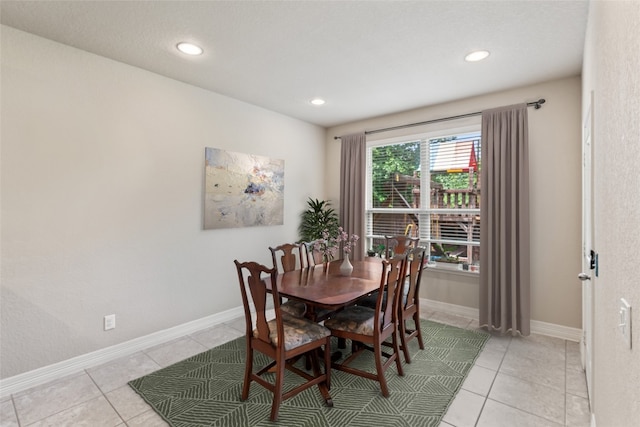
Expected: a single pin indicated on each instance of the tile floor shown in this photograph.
(534, 381)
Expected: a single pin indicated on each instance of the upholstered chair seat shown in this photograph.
(355, 319)
(297, 331)
(294, 308)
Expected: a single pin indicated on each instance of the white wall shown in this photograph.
(611, 71)
(102, 189)
(555, 158)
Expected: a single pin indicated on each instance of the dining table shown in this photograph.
(324, 289)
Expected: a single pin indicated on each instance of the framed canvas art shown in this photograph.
(242, 190)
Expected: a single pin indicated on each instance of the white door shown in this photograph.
(589, 258)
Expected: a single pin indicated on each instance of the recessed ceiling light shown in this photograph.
(478, 55)
(318, 101)
(189, 48)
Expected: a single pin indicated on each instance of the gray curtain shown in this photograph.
(352, 186)
(504, 235)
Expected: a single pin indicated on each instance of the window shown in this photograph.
(427, 187)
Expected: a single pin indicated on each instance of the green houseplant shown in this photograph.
(319, 216)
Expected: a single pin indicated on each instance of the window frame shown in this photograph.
(422, 212)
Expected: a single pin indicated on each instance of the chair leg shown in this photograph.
(377, 355)
(396, 351)
(403, 340)
(416, 319)
(317, 372)
(327, 363)
(277, 390)
(248, 368)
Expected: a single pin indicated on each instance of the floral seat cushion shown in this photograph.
(294, 308)
(297, 331)
(356, 319)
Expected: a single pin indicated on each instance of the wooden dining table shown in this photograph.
(323, 287)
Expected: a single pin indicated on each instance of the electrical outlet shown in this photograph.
(624, 310)
(109, 322)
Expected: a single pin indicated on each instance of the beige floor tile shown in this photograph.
(490, 358)
(174, 351)
(576, 383)
(464, 410)
(479, 380)
(127, 402)
(474, 325)
(8, 417)
(539, 347)
(449, 319)
(578, 414)
(237, 324)
(495, 414)
(537, 399)
(116, 374)
(41, 402)
(498, 342)
(148, 419)
(549, 372)
(213, 337)
(574, 359)
(93, 413)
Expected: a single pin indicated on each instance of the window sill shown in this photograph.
(455, 271)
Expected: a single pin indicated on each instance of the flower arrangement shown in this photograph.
(348, 241)
(328, 245)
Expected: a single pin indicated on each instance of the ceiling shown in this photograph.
(365, 58)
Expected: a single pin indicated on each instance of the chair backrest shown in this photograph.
(415, 265)
(289, 257)
(398, 245)
(251, 276)
(312, 255)
(392, 280)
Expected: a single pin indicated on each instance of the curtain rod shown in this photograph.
(537, 104)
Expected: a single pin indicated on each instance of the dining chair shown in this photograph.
(395, 245)
(282, 339)
(409, 304)
(288, 257)
(313, 255)
(368, 328)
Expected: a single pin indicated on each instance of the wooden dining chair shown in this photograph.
(288, 257)
(282, 339)
(313, 255)
(368, 328)
(409, 304)
(396, 245)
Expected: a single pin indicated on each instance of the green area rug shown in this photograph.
(204, 390)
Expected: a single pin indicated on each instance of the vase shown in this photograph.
(346, 268)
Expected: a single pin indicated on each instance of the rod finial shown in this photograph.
(539, 103)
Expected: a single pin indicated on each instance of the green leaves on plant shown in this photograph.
(317, 218)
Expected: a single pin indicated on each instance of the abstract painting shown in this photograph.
(242, 190)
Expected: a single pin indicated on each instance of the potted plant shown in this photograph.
(318, 218)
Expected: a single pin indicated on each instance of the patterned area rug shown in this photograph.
(204, 390)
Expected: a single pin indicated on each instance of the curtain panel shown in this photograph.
(504, 235)
(352, 187)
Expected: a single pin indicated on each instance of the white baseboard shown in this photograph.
(537, 327)
(74, 365)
